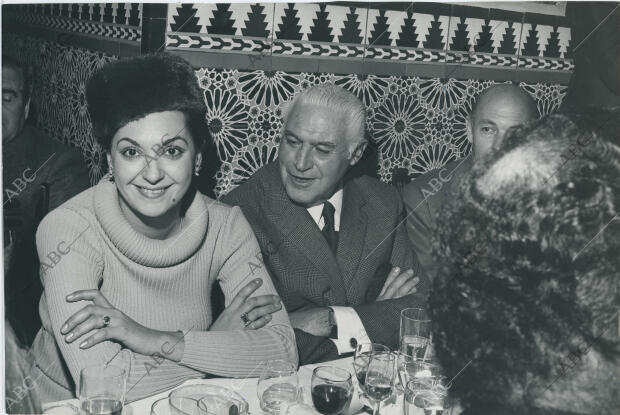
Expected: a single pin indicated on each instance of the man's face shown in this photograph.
(314, 154)
(496, 114)
(15, 106)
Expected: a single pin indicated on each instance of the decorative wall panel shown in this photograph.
(416, 123)
(459, 36)
(58, 98)
(108, 20)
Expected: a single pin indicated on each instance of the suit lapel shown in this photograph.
(299, 230)
(352, 234)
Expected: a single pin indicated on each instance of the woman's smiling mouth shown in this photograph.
(152, 193)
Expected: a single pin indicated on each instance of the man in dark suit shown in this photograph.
(336, 246)
(497, 109)
(39, 174)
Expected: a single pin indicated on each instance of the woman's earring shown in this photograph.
(111, 175)
(197, 170)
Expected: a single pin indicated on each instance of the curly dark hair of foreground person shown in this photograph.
(528, 291)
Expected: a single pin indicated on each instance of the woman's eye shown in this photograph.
(173, 152)
(129, 152)
(291, 141)
(487, 130)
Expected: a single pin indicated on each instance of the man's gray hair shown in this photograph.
(336, 99)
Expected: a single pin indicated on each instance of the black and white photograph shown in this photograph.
(311, 208)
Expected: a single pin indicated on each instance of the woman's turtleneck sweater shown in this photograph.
(166, 284)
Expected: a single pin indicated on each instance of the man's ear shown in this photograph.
(358, 152)
(469, 126)
(27, 109)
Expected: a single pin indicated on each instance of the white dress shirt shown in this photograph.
(349, 324)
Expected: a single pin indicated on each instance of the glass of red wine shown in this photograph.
(363, 352)
(332, 390)
(380, 378)
(102, 390)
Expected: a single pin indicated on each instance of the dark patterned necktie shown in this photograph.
(329, 231)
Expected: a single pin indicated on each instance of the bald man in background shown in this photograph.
(497, 109)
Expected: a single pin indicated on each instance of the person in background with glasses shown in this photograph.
(38, 174)
(335, 245)
(535, 316)
(137, 255)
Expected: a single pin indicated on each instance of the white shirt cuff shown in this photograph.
(349, 327)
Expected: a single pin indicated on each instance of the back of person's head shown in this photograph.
(130, 89)
(337, 100)
(527, 293)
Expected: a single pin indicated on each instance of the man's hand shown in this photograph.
(314, 321)
(398, 284)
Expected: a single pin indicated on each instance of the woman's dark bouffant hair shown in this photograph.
(129, 89)
(528, 278)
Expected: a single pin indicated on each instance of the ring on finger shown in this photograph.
(245, 319)
(106, 321)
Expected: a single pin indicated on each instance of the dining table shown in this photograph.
(247, 387)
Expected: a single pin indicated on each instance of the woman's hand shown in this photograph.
(108, 323)
(258, 310)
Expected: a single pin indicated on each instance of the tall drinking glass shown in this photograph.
(102, 390)
(415, 332)
(332, 390)
(278, 384)
(380, 378)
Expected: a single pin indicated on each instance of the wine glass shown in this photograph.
(432, 400)
(415, 332)
(278, 384)
(425, 373)
(177, 406)
(363, 351)
(332, 390)
(380, 378)
(102, 390)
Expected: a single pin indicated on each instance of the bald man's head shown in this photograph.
(496, 110)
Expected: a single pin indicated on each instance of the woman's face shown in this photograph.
(153, 160)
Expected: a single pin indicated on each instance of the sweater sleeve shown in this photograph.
(240, 353)
(71, 260)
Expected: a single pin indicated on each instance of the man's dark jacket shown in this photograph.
(371, 240)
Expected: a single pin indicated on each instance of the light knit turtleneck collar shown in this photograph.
(142, 249)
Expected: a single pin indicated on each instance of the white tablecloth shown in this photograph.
(247, 388)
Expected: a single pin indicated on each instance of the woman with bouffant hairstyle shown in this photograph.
(134, 259)
(528, 294)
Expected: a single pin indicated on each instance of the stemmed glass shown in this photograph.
(363, 352)
(332, 390)
(425, 373)
(380, 378)
(177, 406)
(278, 384)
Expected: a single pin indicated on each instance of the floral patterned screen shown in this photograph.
(415, 123)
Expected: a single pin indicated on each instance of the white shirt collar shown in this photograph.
(317, 211)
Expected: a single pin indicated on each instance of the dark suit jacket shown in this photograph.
(372, 239)
(64, 174)
(423, 200)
